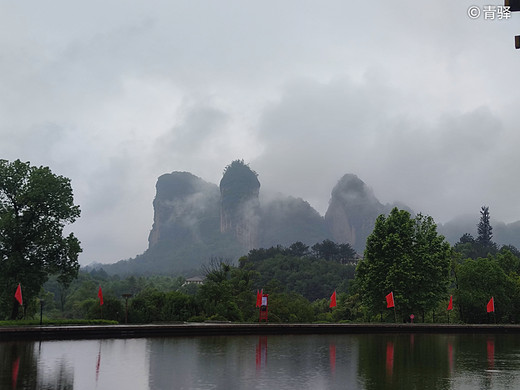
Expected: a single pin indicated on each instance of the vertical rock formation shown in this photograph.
(185, 209)
(352, 212)
(239, 204)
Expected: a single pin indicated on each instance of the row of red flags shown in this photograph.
(390, 303)
(18, 295)
(259, 294)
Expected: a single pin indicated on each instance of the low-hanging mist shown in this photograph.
(195, 221)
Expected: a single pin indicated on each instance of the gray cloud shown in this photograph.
(418, 102)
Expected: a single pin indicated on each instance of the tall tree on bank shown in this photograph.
(407, 256)
(35, 206)
(485, 233)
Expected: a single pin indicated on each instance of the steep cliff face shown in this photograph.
(195, 220)
(185, 209)
(352, 212)
(239, 204)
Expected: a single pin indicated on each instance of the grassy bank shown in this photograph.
(56, 322)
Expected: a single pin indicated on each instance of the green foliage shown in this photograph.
(290, 307)
(147, 306)
(349, 309)
(227, 292)
(112, 309)
(47, 322)
(312, 278)
(238, 184)
(407, 256)
(478, 281)
(35, 206)
(483, 246)
(484, 229)
(329, 250)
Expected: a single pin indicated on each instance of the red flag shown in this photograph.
(390, 300)
(450, 305)
(18, 294)
(100, 295)
(258, 298)
(333, 299)
(491, 306)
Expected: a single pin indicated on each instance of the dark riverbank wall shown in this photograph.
(229, 329)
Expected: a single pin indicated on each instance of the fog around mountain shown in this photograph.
(196, 221)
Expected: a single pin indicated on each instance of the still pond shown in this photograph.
(357, 362)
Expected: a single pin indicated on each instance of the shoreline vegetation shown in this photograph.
(299, 281)
(429, 281)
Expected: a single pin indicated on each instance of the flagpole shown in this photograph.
(395, 315)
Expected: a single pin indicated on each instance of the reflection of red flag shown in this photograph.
(261, 352)
(16, 368)
(332, 357)
(491, 306)
(450, 305)
(389, 358)
(100, 295)
(333, 300)
(491, 353)
(18, 294)
(450, 355)
(390, 300)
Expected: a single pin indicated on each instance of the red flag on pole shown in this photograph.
(491, 306)
(258, 298)
(450, 305)
(333, 299)
(390, 300)
(18, 294)
(100, 295)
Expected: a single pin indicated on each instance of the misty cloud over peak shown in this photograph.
(416, 101)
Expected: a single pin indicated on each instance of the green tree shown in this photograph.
(484, 228)
(485, 234)
(35, 206)
(467, 247)
(290, 307)
(227, 293)
(478, 281)
(407, 256)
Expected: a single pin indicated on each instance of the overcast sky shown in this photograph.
(419, 100)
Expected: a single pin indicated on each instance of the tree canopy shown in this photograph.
(483, 245)
(485, 230)
(407, 256)
(35, 206)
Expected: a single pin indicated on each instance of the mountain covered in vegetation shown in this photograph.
(196, 221)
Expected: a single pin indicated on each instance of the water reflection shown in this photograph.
(389, 359)
(261, 352)
(359, 362)
(332, 357)
(491, 353)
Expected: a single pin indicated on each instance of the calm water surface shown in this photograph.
(358, 362)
